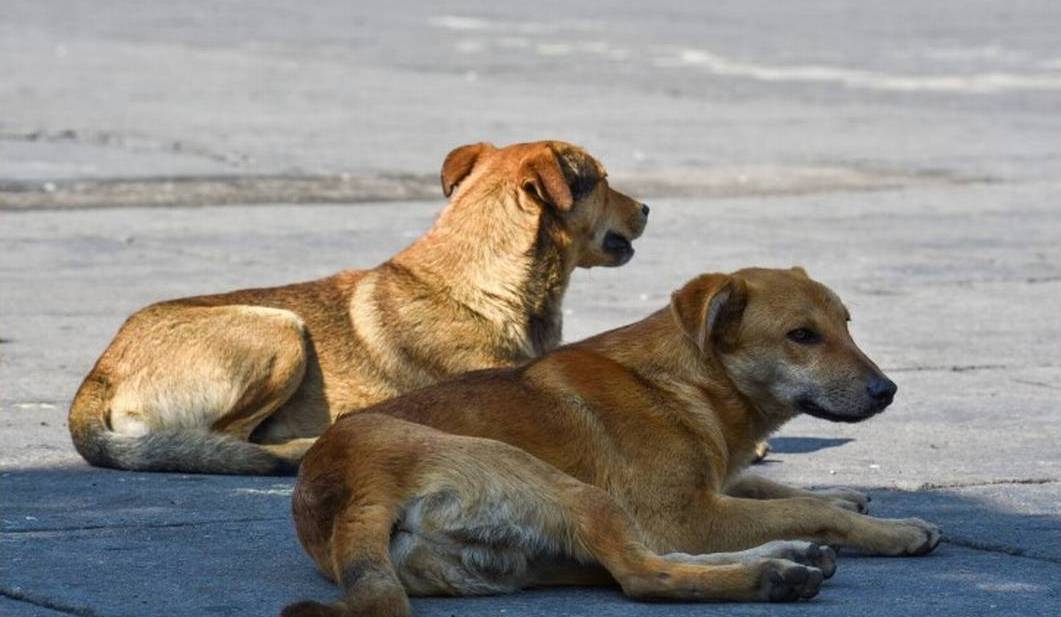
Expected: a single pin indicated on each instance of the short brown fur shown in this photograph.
(243, 382)
(623, 451)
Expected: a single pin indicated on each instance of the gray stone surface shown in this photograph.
(906, 153)
(124, 88)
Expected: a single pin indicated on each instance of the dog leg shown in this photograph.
(734, 523)
(513, 518)
(361, 564)
(757, 487)
(762, 448)
(806, 553)
(224, 368)
(610, 536)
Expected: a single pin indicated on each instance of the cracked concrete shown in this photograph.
(860, 144)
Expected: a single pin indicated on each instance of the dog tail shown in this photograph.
(180, 450)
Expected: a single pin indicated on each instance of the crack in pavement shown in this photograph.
(972, 543)
(964, 368)
(1039, 384)
(932, 486)
(1030, 280)
(41, 530)
(128, 141)
(1001, 549)
(18, 595)
(1034, 280)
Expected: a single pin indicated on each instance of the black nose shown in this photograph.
(881, 390)
(644, 209)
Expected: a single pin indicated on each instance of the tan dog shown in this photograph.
(243, 382)
(623, 451)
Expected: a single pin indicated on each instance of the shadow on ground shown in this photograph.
(98, 542)
(804, 445)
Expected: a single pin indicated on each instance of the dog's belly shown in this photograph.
(486, 539)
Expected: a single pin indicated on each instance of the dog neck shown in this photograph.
(657, 348)
(501, 263)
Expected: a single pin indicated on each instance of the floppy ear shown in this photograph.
(459, 164)
(709, 309)
(542, 177)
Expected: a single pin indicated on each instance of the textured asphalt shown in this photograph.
(905, 153)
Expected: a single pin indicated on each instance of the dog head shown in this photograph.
(782, 339)
(560, 184)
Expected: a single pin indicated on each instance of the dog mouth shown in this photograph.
(809, 407)
(618, 246)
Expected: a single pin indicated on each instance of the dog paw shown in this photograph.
(845, 498)
(806, 553)
(916, 536)
(787, 581)
(761, 450)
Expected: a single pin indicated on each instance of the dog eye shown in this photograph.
(804, 336)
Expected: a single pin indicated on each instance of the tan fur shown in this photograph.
(243, 382)
(624, 451)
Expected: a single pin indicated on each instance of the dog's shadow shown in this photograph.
(805, 445)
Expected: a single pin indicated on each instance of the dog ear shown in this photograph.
(709, 308)
(800, 271)
(459, 163)
(542, 177)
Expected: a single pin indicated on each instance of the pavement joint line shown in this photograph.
(16, 594)
(1001, 549)
(1040, 384)
(965, 368)
(122, 140)
(932, 486)
(1043, 279)
(344, 188)
(1030, 280)
(24, 532)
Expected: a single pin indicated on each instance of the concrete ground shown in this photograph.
(906, 153)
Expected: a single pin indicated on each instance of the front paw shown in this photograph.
(786, 581)
(845, 498)
(914, 536)
(761, 450)
(802, 552)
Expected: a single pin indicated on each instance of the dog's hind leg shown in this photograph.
(519, 515)
(610, 536)
(361, 565)
(181, 388)
(799, 551)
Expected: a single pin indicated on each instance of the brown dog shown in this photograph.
(243, 382)
(624, 450)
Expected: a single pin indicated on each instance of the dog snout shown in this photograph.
(881, 390)
(645, 209)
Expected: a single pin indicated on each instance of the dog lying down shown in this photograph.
(244, 382)
(617, 458)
